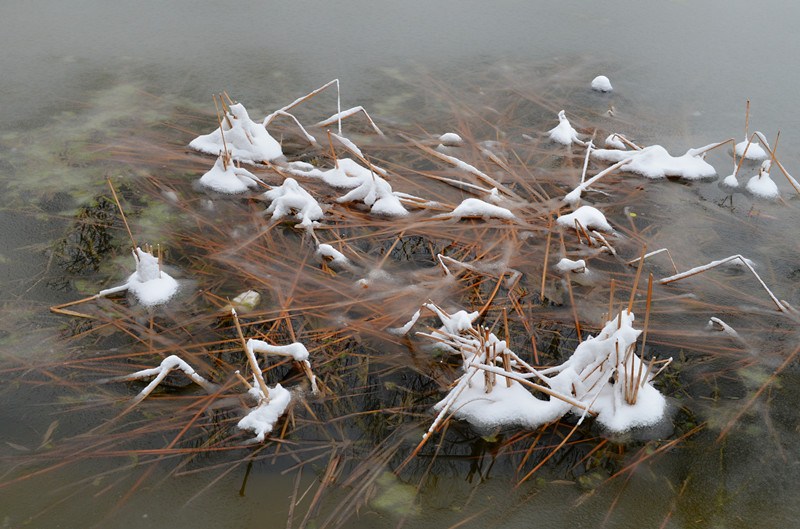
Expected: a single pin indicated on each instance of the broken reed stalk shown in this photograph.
(746, 119)
(644, 337)
(251, 357)
(714, 264)
(636, 281)
(227, 158)
(339, 116)
(574, 309)
(546, 257)
(122, 214)
(333, 151)
(580, 229)
(589, 145)
(638, 259)
(611, 299)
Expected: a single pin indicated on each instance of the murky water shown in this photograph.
(681, 72)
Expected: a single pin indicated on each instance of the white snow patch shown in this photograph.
(755, 152)
(563, 132)
(473, 207)
(450, 139)
(224, 177)
(761, 185)
(290, 197)
(568, 265)
(601, 84)
(655, 162)
(366, 185)
(261, 419)
(604, 376)
(246, 140)
(335, 256)
(589, 217)
(148, 283)
(730, 181)
(614, 141)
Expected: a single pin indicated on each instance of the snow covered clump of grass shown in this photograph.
(149, 284)
(604, 378)
(241, 137)
(225, 177)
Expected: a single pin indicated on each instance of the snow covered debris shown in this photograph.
(589, 217)
(296, 351)
(224, 177)
(170, 363)
(261, 419)
(751, 151)
(568, 265)
(761, 185)
(334, 256)
(289, 199)
(473, 207)
(614, 141)
(450, 139)
(244, 139)
(655, 162)
(366, 185)
(601, 84)
(148, 283)
(730, 181)
(604, 377)
(563, 132)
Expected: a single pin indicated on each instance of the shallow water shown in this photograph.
(681, 72)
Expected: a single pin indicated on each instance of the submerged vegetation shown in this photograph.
(408, 285)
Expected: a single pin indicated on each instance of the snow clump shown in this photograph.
(290, 197)
(244, 139)
(761, 185)
(589, 217)
(224, 177)
(149, 284)
(655, 162)
(563, 133)
(601, 84)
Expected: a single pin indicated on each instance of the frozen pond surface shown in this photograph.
(682, 70)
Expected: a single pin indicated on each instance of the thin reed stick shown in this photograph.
(122, 214)
(636, 281)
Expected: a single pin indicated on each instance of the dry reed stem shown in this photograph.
(550, 455)
(251, 357)
(638, 259)
(122, 214)
(714, 264)
(636, 280)
(339, 116)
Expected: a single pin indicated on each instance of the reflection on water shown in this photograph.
(74, 82)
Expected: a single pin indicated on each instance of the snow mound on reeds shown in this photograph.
(655, 162)
(366, 185)
(751, 151)
(603, 377)
(589, 217)
(761, 185)
(291, 199)
(244, 139)
(261, 419)
(149, 284)
(224, 177)
(563, 133)
(473, 207)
